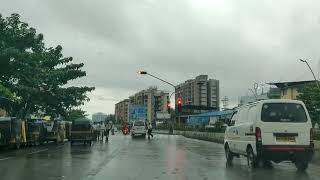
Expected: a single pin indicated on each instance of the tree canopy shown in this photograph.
(39, 77)
(310, 95)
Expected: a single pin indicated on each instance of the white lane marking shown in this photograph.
(38, 151)
(2, 159)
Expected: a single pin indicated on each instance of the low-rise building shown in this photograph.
(290, 90)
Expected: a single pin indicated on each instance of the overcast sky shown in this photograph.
(237, 42)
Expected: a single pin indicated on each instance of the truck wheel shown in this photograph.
(251, 158)
(301, 165)
(229, 155)
(267, 164)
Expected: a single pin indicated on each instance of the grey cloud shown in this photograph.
(237, 42)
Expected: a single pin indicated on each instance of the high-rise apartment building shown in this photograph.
(155, 101)
(199, 95)
(121, 111)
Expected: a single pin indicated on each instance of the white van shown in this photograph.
(138, 128)
(270, 130)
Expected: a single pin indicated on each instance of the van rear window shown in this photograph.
(283, 112)
(139, 123)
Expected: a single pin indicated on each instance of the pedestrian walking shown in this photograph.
(102, 131)
(109, 126)
(149, 128)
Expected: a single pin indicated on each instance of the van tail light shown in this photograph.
(258, 134)
(311, 134)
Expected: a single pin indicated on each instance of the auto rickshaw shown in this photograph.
(36, 132)
(11, 132)
(55, 131)
(82, 131)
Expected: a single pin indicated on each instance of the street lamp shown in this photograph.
(305, 61)
(146, 73)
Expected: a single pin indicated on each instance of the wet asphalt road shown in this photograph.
(164, 157)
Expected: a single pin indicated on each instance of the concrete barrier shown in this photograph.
(209, 136)
(160, 131)
(206, 136)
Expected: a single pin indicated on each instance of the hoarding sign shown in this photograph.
(137, 112)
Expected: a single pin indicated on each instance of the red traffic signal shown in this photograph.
(168, 106)
(179, 101)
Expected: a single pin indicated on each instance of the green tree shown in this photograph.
(75, 114)
(38, 76)
(5, 92)
(110, 118)
(310, 95)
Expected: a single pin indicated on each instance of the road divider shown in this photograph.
(209, 136)
(206, 136)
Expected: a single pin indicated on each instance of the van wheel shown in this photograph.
(301, 165)
(229, 154)
(251, 158)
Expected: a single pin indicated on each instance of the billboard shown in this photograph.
(137, 112)
(162, 115)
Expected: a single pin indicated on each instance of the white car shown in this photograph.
(270, 130)
(138, 128)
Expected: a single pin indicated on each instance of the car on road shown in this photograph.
(270, 130)
(138, 128)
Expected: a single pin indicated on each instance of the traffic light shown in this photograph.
(179, 102)
(168, 107)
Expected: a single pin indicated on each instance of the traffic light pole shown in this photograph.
(146, 73)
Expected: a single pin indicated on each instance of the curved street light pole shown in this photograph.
(146, 73)
(305, 61)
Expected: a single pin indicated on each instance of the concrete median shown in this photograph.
(209, 136)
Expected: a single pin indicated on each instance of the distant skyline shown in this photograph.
(236, 42)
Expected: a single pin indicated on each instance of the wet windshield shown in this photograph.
(283, 112)
(146, 89)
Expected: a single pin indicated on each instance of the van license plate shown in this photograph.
(286, 139)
